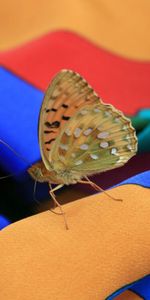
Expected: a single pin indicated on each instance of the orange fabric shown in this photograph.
(120, 26)
(106, 247)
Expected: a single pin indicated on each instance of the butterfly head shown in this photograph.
(36, 173)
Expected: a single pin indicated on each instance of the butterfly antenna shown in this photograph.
(10, 175)
(13, 174)
(15, 152)
(34, 192)
(98, 188)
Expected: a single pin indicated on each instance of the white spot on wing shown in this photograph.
(103, 135)
(79, 162)
(129, 147)
(125, 127)
(127, 137)
(68, 132)
(122, 159)
(104, 144)
(84, 147)
(77, 132)
(97, 110)
(87, 131)
(117, 120)
(63, 147)
(94, 156)
(83, 112)
(114, 151)
(107, 114)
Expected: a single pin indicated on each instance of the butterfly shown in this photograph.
(79, 135)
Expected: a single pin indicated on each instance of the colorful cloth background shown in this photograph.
(109, 45)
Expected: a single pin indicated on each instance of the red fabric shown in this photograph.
(117, 80)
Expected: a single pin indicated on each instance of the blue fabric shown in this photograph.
(144, 113)
(142, 179)
(140, 287)
(18, 121)
(3, 222)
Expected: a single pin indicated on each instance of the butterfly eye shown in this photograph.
(35, 172)
(38, 172)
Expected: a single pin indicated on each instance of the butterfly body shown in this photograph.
(62, 176)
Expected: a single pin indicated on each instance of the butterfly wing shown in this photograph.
(67, 93)
(96, 139)
(79, 134)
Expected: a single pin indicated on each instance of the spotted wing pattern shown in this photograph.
(96, 139)
(79, 135)
(66, 94)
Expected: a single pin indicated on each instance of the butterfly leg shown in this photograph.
(52, 190)
(98, 188)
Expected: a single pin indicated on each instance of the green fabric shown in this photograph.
(141, 122)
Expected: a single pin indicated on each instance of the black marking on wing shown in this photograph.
(49, 131)
(55, 124)
(65, 118)
(65, 105)
(51, 109)
(48, 142)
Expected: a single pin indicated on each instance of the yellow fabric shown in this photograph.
(106, 247)
(119, 26)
